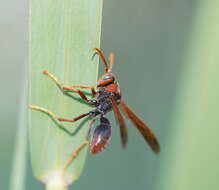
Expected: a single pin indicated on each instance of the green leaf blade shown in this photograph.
(63, 34)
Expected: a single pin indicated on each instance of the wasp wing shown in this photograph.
(121, 121)
(142, 127)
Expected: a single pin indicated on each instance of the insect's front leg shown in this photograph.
(71, 88)
(91, 88)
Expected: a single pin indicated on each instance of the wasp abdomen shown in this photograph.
(101, 136)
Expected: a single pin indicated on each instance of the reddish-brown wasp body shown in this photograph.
(107, 97)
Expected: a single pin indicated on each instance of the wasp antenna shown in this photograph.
(102, 57)
(111, 61)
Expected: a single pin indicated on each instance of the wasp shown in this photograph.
(108, 98)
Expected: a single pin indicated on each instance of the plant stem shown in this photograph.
(56, 187)
(57, 183)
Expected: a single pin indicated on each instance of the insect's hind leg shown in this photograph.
(54, 117)
(44, 110)
(75, 154)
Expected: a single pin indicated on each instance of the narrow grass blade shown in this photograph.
(18, 173)
(63, 34)
(192, 157)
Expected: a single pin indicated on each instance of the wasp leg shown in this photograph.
(54, 117)
(91, 88)
(75, 119)
(74, 154)
(44, 110)
(70, 88)
(79, 149)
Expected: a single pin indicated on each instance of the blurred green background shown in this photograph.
(166, 62)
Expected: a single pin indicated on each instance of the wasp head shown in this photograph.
(106, 79)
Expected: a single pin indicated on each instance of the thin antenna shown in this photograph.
(102, 57)
(111, 61)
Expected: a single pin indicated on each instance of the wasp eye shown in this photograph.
(108, 76)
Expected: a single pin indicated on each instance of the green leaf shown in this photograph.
(18, 173)
(62, 36)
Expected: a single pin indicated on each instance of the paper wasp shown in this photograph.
(107, 97)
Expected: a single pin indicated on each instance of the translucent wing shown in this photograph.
(142, 127)
(121, 121)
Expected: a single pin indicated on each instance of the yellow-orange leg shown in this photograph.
(74, 154)
(70, 88)
(92, 89)
(53, 116)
